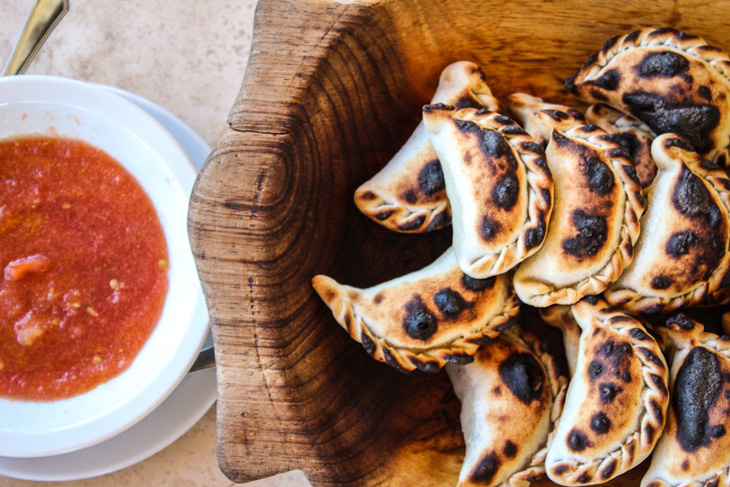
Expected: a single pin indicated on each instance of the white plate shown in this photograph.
(54, 106)
(170, 420)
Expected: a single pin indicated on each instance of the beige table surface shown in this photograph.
(189, 57)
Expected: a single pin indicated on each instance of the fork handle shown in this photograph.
(43, 17)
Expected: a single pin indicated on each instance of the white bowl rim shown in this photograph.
(91, 108)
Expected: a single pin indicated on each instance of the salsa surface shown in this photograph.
(83, 262)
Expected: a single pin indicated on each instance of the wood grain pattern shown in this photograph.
(330, 93)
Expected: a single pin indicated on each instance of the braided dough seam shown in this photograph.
(707, 293)
(539, 179)
(576, 472)
(634, 208)
(427, 359)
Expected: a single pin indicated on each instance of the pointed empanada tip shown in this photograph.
(327, 288)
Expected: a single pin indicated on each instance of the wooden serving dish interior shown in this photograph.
(330, 93)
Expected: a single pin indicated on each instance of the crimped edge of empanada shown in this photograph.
(527, 109)
(655, 398)
(710, 292)
(539, 191)
(427, 359)
(691, 45)
(630, 228)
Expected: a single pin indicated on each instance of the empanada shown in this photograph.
(511, 397)
(594, 224)
(561, 317)
(539, 118)
(424, 319)
(694, 450)
(631, 133)
(408, 194)
(671, 81)
(616, 403)
(681, 257)
(498, 183)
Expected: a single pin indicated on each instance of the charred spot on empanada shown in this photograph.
(498, 183)
(511, 396)
(594, 224)
(683, 257)
(671, 81)
(616, 404)
(694, 447)
(409, 195)
(425, 319)
(629, 132)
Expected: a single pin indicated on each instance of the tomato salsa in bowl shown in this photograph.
(101, 312)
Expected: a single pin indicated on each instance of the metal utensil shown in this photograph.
(205, 360)
(43, 17)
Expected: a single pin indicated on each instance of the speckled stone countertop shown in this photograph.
(189, 57)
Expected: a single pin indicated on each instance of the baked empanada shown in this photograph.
(631, 133)
(594, 223)
(539, 119)
(498, 183)
(681, 257)
(561, 317)
(694, 450)
(424, 319)
(408, 194)
(616, 403)
(511, 397)
(671, 81)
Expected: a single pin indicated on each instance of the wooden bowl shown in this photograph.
(330, 93)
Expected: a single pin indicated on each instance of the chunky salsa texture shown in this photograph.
(83, 268)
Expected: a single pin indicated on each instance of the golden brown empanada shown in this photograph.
(511, 397)
(694, 450)
(671, 81)
(539, 119)
(408, 194)
(594, 224)
(681, 257)
(424, 319)
(616, 402)
(631, 133)
(498, 183)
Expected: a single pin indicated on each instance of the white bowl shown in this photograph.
(43, 105)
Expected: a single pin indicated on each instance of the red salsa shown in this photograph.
(84, 268)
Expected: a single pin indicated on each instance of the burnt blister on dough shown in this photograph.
(696, 390)
(665, 64)
(523, 375)
(506, 191)
(431, 178)
(591, 236)
(419, 323)
(450, 303)
(477, 285)
(694, 121)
